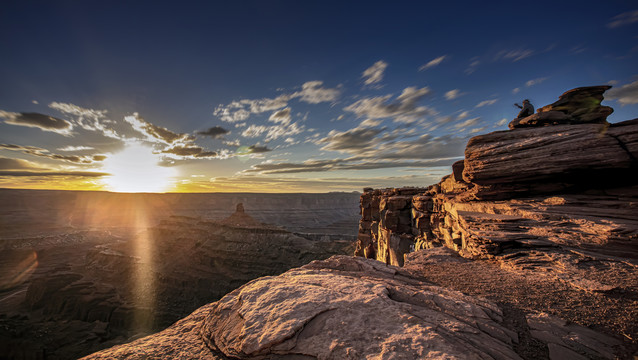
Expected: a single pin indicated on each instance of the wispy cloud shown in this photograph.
(87, 119)
(403, 109)
(625, 95)
(625, 18)
(37, 120)
(76, 148)
(467, 123)
(486, 103)
(513, 55)
(536, 81)
(374, 74)
(311, 92)
(154, 133)
(453, 94)
(432, 63)
(40, 152)
(281, 116)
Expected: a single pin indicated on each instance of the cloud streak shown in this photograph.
(36, 151)
(623, 19)
(432, 63)
(374, 74)
(37, 120)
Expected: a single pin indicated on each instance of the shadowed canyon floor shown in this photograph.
(128, 267)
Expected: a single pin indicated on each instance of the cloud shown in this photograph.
(486, 103)
(432, 63)
(214, 132)
(467, 123)
(625, 18)
(370, 123)
(501, 122)
(477, 130)
(76, 148)
(513, 55)
(625, 95)
(516, 90)
(536, 81)
(463, 115)
(53, 173)
(37, 120)
(155, 133)
(474, 63)
(256, 149)
(272, 132)
(87, 119)
(311, 92)
(403, 109)
(36, 151)
(357, 140)
(340, 165)
(16, 164)
(190, 151)
(281, 116)
(453, 94)
(374, 74)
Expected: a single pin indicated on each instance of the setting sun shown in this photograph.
(136, 169)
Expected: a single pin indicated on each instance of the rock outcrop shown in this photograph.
(551, 187)
(576, 106)
(356, 308)
(556, 202)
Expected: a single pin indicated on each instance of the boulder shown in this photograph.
(577, 106)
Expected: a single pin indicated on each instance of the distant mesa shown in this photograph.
(577, 106)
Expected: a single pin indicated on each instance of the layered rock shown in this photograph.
(576, 106)
(544, 197)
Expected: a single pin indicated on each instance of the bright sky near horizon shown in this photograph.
(286, 96)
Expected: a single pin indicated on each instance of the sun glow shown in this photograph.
(136, 169)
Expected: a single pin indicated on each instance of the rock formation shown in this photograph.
(556, 202)
(576, 106)
(355, 308)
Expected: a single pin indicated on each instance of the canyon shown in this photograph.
(528, 250)
(83, 271)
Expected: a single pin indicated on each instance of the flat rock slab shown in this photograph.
(354, 308)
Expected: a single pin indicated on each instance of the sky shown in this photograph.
(286, 96)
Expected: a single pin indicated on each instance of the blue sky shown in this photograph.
(286, 95)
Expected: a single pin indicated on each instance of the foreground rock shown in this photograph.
(355, 308)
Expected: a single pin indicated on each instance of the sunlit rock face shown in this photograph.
(339, 308)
